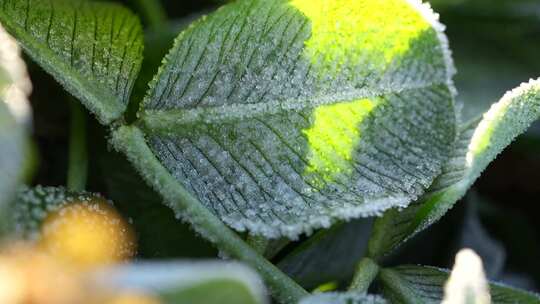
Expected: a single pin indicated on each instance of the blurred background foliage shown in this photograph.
(495, 45)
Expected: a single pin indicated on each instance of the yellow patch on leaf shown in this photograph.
(346, 30)
(334, 136)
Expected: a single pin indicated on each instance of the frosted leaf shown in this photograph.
(186, 282)
(342, 298)
(92, 49)
(283, 117)
(286, 116)
(157, 42)
(14, 89)
(479, 142)
(423, 284)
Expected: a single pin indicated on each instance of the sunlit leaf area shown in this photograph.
(269, 151)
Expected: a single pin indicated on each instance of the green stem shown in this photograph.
(152, 11)
(130, 140)
(78, 154)
(259, 243)
(366, 272)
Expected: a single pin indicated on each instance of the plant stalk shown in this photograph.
(259, 243)
(78, 153)
(366, 271)
(130, 140)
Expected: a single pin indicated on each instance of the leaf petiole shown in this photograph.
(78, 153)
(259, 243)
(366, 271)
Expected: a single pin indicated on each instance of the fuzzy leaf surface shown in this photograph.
(285, 116)
(479, 143)
(93, 49)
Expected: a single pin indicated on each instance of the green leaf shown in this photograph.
(187, 282)
(93, 49)
(282, 120)
(157, 42)
(14, 89)
(342, 298)
(479, 143)
(422, 284)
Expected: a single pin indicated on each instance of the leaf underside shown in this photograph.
(479, 143)
(420, 284)
(281, 120)
(93, 49)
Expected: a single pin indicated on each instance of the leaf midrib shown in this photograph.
(97, 98)
(172, 120)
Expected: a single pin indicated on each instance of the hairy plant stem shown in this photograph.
(78, 154)
(130, 140)
(259, 243)
(152, 11)
(366, 271)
